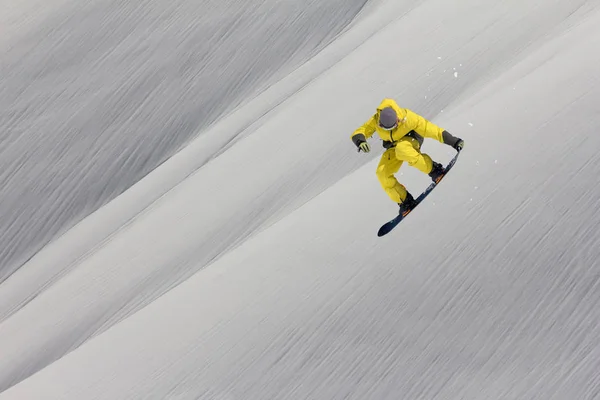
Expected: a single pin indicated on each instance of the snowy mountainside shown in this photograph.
(259, 275)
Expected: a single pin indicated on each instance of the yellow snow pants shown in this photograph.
(407, 149)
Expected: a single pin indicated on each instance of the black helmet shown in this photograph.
(388, 119)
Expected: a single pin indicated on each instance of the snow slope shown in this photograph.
(96, 94)
(247, 266)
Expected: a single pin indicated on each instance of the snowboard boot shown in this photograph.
(436, 172)
(408, 204)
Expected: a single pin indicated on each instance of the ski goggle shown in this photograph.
(391, 128)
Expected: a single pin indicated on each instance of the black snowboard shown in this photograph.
(388, 226)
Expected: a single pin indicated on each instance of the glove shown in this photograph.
(360, 141)
(364, 146)
(456, 143)
(458, 146)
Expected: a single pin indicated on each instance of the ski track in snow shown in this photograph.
(247, 265)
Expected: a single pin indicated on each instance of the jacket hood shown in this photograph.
(391, 103)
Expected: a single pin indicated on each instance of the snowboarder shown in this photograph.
(402, 132)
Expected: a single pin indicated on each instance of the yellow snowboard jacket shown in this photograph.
(409, 121)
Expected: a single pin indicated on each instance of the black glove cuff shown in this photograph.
(449, 139)
(358, 139)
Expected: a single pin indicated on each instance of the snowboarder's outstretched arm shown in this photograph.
(430, 130)
(359, 137)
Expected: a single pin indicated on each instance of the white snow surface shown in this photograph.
(235, 255)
